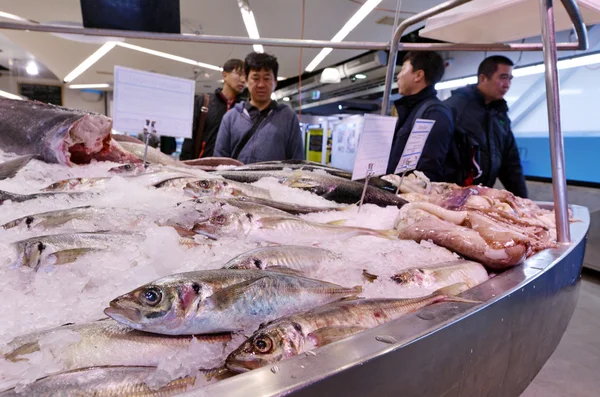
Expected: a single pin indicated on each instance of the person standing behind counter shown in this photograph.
(260, 129)
(420, 72)
(208, 116)
(481, 119)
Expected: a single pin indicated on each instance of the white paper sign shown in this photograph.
(374, 146)
(141, 96)
(414, 146)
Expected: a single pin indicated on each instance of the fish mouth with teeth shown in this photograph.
(125, 315)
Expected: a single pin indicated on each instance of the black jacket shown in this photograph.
(217, 108)
(489, 127)
(435, 151)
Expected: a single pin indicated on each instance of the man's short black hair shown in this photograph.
(261, 61)
(490, 64)
(233, 64)
(430, 62)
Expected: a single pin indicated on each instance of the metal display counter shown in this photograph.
(448, 349)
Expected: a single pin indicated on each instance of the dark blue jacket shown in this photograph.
(277, 138)
(436, 148)
(489, 127)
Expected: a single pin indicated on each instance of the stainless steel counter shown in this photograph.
(448, 349)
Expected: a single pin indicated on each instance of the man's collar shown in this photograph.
(272, 106)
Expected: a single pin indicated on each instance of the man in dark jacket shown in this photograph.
(481, 117)
(219, 103)
(420, 72)
(260, 129)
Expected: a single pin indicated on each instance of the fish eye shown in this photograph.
(152, 296)
(263, 344)
(220, 219)
(127, 167)
(204, 185)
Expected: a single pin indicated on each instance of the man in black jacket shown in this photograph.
(481, 117)
(420, 72)
(219, 103)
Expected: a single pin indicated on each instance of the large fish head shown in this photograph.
(30, 253)
(206, 187)
(163, 306)
(224, 224)
(275, 342)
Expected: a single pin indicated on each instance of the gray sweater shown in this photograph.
(277, 138)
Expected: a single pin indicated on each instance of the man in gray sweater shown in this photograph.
(261, 129)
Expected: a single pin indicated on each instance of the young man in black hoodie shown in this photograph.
(421, 70)
(203, 139)
(481, 118)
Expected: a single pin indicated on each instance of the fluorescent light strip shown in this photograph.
(84, 86)
(168, 56)
(344, 31)
(92, 59)
(9, 95)
(526, 71)
(250, 23)
(15, 17)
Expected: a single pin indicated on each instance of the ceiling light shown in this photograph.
(32, 69)
(273, 96)
(286, 99)
(340, 107)
(346, 29)
(526, 70)
(250, 23)
(92, 59)
(84, 86)
(330, 76)
(360, 76)
(9, 95)
(281, 78)
(168, 56)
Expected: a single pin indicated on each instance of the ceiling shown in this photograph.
(275, 19)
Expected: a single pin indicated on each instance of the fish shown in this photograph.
(101, 217)
(213, 162)
(128, 169)
(224, 188)
(330, 187)
(113, 381)
(9, 168)
(57, 135)
(21, 198)
(187, 214)
(294, 209)
(302, 332)
(107, 342)
(154, 156)
(65, 248)
(296, 257)
(272, 228)
(192, 303)
(468, 272)
(149, 179)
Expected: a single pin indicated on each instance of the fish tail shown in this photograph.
(388, 234)
(10, 168)
(450, 293)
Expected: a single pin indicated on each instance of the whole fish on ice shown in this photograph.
(459, 271)
(179, 305)
(305, 331)
(57, 135)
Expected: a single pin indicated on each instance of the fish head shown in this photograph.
(410, 276)
(275, 342)
(163, 306)
(66, 184)
(224, 223)
(127, 169)
(31, 254)
(188, 213)
(206, 187)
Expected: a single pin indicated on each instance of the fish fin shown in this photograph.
(337, 222)
(285, 270)
(326, 335)
(22, 350)
(388, 234)
(71, 255)
(451, 291)
(346, 207)
(10, 168)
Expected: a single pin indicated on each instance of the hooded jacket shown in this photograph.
(488, 127)
(278, 136)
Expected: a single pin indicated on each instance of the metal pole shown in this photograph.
(389, 74)
(557, 155)
(324, 141)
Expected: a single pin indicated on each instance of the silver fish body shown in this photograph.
(224, 188)
(460, 271)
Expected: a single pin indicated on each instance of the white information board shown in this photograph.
(414, 146)
(374, 146)
(141, 96)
